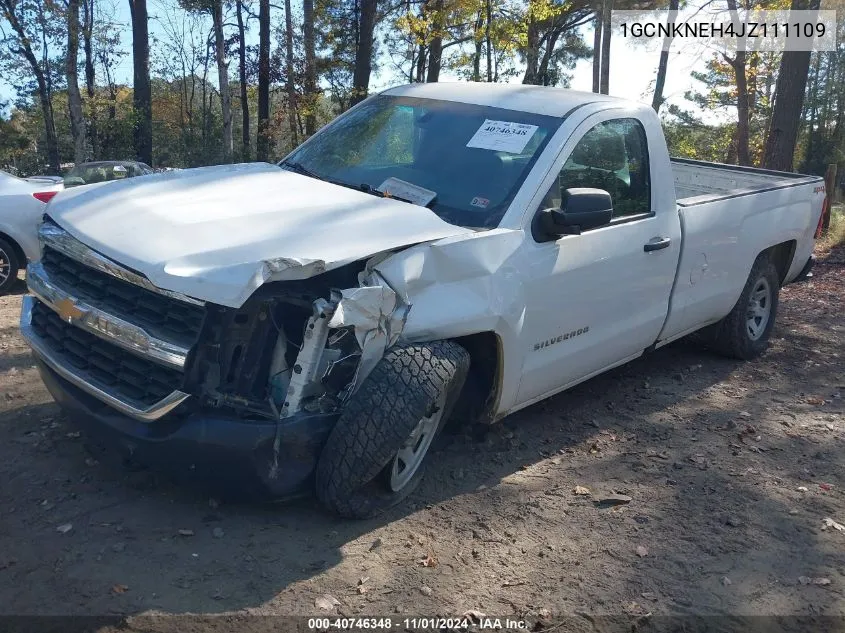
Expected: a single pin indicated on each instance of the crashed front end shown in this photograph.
(242, 396)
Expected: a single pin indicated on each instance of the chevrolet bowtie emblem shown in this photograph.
(68, 310)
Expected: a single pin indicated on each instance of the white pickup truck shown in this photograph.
(439, 249)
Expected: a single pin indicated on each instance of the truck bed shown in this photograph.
(697, 182)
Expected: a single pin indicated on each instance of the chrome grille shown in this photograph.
(102, 364)
(106, 329)
(162, 316)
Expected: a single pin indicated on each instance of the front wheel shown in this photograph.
(9, 266)
(745, 332)
(374, 456)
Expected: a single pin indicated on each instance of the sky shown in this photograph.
(632, 67)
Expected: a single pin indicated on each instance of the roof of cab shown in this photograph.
(524, 98)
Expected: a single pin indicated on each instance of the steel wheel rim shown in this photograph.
(408, 459)
(759, 309)
(5, 266)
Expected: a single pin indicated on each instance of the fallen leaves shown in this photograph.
(806, 580)
(361, 589)
(429, 561)
(326, 602)
(830, 523)
(474, 616)
(607, 501)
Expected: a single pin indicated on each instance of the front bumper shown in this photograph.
(231, 456)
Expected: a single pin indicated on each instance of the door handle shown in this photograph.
(657, 243)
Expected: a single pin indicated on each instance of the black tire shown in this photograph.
(404, 388)
(735, 338)
(9, 265)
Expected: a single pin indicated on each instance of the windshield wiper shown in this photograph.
(365, 187)
(300, 168)
(368, 188)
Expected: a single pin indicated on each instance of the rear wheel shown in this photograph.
(9, 266)
(375, 454)
(745, 332)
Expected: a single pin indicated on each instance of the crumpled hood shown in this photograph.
(218, 233)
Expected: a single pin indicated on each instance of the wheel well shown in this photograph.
(781, 256)
(480, 395)
(17, 247)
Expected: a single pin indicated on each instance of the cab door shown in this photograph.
(600, 298)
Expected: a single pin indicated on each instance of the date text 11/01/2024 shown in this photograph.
(479, 622)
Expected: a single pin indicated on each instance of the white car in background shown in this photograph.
(22, 202)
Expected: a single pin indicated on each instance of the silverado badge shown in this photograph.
(562, 337)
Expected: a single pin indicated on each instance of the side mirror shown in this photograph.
(581, 209)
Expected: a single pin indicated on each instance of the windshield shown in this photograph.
(465, 162)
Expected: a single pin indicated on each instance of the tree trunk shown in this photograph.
(364, 52)
(597, 53)
(489, 42)
(789, 101)
(262, 145)
(206, 102)
(290, 85)
(222, 78)
(476, 57)
(543, 78)
(435, 47)
(141, 93)
(607, 7)
(245, 150)
(49, 122)
(657, 100)
(90, 76)
(74, 98)
(8, 10)
(421, 59)
(830, 188)
(532, 53)
(814, 101)
(742, 110)
(311, 96)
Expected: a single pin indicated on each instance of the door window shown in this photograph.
(612, 156)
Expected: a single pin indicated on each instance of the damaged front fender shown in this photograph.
(377, 318)
(447, 289)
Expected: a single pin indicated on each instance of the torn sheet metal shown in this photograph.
(279, 267)
(376, 316)
(474, 276)
(307, 366)
(462, 286)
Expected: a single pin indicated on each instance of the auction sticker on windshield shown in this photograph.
(408, 191)
(502, 136)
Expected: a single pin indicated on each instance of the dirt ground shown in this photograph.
(732, 468)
